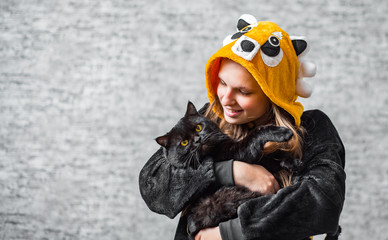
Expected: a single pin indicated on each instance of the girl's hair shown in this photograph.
(274, 116)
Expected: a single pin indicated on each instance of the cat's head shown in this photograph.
(190, 140)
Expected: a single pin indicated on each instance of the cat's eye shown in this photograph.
(198, 128)
(184, 142)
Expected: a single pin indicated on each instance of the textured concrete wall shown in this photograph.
(85, 87)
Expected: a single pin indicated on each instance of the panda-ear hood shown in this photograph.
(273, 59)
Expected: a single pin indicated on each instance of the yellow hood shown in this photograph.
(268, 53)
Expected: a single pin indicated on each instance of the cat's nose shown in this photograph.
(197, 139)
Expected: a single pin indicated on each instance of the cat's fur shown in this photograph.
(185, 147)
(210, 141)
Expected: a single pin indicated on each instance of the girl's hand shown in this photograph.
(209, 234)
(254, 177)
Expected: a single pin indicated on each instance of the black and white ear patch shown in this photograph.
(236, 35)
(244, 24)
(244, 21)
(300, 45)
(246, 47)
(271, 47)
(271, 53)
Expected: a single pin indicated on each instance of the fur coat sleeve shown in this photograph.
(313, 203)
(167, 189)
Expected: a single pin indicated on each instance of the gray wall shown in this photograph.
(85, 87)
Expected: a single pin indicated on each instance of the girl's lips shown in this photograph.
(232, 113)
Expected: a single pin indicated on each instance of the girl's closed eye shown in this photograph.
(245, 92)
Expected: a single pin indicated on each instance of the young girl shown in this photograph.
(255, 80)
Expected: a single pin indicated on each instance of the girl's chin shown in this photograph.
(234, 120)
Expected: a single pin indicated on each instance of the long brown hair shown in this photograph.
(276, 116)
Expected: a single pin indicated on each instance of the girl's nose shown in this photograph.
(228, 98)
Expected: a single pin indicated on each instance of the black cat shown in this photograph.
(195, 136)
(192, 139)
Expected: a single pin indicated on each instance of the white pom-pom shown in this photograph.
(303, 89)
(308, 69)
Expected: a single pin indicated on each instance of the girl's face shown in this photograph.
(240, 95)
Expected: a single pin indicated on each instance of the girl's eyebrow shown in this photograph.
(237, 87)
(245, 88)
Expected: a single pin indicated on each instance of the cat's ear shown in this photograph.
(162, 140)
(191, 110)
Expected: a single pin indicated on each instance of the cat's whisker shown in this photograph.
(190, 159)
(195, 157)
(197, 161)
(192, 162)
(205, 138)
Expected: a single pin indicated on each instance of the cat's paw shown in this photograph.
(276, 134)
(192, 227)
(284, 134)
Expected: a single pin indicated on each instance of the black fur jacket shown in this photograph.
(310, 206)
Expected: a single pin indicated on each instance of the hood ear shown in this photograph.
(162, 140)
(300, 45)
(242, 22)
(245, 20)
(191, 110)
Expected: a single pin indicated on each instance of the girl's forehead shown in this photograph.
(236, 75)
